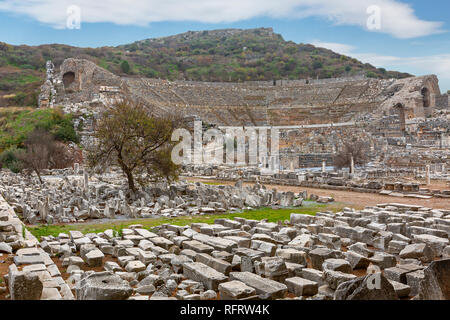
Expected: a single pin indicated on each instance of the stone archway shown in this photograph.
(426, 96)
(68, 78)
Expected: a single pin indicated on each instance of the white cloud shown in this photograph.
(397, 19)
(435, 64)
(334, 46)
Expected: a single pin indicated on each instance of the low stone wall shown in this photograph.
(11, 222)
(33, 275)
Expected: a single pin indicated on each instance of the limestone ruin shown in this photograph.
(387, 251)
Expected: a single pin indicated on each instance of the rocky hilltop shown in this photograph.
(228, 55)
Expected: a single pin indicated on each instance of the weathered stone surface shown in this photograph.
(366, 288)
(103, 286)
(436, 243)
(413, 280)
(313, 275)
(335, 278)
(399, 272)
(273, 268)
(303, 240)
(147, 289)
(146, 257)
(112, 266)
(421, 251)
(356, 260)
(383, 260)
(265, 288)
(198, 246)
(263, 246)
(217, 264)
(51, 294)
(301, 287)
(135, 266)
(4, 247)
(319, 255)
(215, 242)
(74, 260)
(402, 290)
(161, 242)
(24, 285)
(331, 240)
(235, 290)
(292, 255)
(436, 282)
(94, 258)
(178, 262)
(25, 259)
(361, 248)
(202, 273)
(337, 265)
(446, 252)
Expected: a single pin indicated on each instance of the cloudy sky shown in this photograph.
(410, 36)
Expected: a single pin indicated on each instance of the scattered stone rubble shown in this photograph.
(404, 121)
(387, 181)
(389, 251)
(68, 196)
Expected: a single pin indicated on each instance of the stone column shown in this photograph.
(428, 175)
(291, 165)
(323, 166)
(86, 181)
(352, 165)
(76, 168)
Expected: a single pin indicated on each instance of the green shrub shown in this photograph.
(8, 159)
(19, 98)
(371, 74)
(125, 66)
(65, 132)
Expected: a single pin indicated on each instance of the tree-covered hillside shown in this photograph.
(218, 55)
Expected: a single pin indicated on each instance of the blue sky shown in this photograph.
(411, 36)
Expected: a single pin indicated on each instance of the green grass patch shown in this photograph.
(20, 79)
(15, 127)
(272, 215)
(213, 183)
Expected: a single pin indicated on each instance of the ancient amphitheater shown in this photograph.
(397, 248)
(313, 115)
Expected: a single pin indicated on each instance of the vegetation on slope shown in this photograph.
(16, 125)
(219, 55)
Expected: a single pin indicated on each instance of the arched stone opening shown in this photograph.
(68, 78)
(400, 111)
(426, 96)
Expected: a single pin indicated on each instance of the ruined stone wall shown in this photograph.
(288, 102)
(243, 104)
(316, 114)
(443, 101)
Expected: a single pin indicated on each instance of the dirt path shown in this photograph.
(5, 261)
(353, 199)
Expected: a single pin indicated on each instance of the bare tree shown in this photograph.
(130, 136)
(42, 151)
(351, 147)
